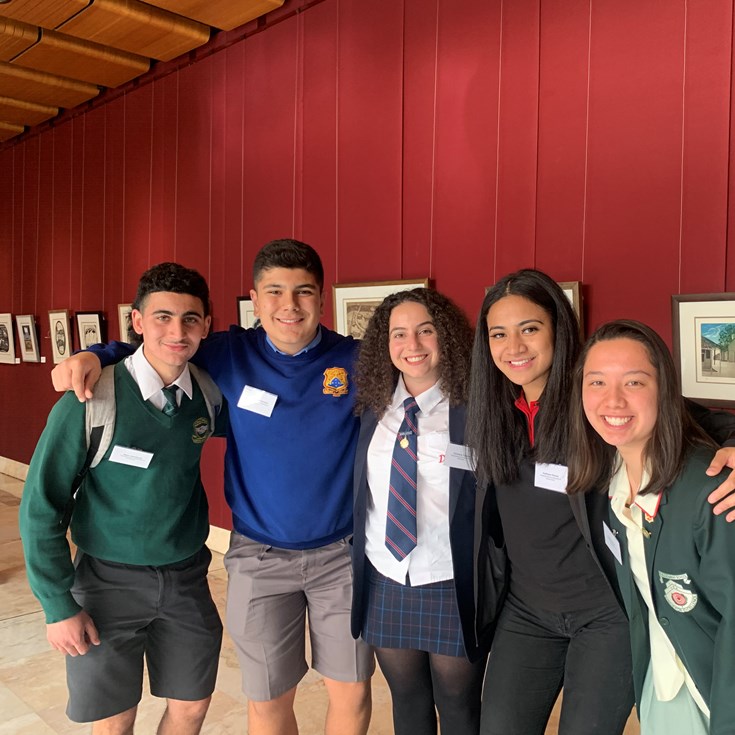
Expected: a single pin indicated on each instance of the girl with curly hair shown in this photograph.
(413, 593)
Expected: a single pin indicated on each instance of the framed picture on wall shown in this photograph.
(60, 333)
(573, 291)
(704, 346)
(90, 328)
(125, 322)
(245, 312)
(355, 303)
(7, 342)
(28, 338)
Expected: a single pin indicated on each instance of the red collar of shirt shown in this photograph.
(529, 410)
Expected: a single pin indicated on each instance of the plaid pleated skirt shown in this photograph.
(423, 618)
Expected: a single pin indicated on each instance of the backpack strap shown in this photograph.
(99, 427)
(212, 394)
(100, 412)
(94, 443)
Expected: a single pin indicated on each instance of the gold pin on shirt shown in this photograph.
(403, 443)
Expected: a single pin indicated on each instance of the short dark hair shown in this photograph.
(287, 253)
(375, 374)
(591, 460)
(173, 278)
(496, 429)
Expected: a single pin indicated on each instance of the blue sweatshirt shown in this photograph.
(288, 477)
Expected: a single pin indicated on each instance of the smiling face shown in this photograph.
(172, 325)
(414, 346)
(521, 339)
(289, 303)
(620, 395)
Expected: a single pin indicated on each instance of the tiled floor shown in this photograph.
(32, 679)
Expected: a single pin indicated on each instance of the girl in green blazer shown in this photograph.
(675, 560)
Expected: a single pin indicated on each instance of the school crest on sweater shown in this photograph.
(335, 381)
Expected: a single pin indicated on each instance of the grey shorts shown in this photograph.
(165, 614)
(269, 593)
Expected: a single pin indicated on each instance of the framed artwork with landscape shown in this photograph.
(355, 303)
(704, 346)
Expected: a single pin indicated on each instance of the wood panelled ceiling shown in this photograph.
(57, 54)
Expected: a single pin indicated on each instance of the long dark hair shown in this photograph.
(496, 430)
(592, 461)
(376, 376)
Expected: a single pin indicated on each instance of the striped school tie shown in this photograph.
(400, 528)
(172, 407)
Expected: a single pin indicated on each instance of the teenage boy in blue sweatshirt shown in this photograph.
(288, 480)
(139, 583)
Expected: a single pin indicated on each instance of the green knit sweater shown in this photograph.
(123, 514)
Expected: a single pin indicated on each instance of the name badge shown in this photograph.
(612, 543)
(460, 457)
(551, 477)
(258, 401)
(130, 456)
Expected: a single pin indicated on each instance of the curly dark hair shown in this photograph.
(375, 374)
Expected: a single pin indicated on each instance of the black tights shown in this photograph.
(421, 681)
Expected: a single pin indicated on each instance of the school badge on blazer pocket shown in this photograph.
(679, 597)
(335, 381)
(200, 430)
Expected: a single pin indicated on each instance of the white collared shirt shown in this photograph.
(431, 560)
(669, 672)
(150, 383)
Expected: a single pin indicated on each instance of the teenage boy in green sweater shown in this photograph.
(138, 586)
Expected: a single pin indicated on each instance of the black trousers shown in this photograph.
(536, 652)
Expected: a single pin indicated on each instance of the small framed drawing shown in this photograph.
(89, 326)
(704, 346)
(28, 338)
(7, 343)
(573, 291)
(60, 333)
(245, 312)
(355, 303)
(125, 322)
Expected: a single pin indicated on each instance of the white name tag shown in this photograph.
(258, 401)
(612, 543)
(551, 477)
(132, 457)
(460, 457)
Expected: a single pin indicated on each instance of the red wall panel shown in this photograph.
(403, 139)
(315, 211)
(369, 138)
(562, 137)
(635, 139)
(706, 107)
(464, 210)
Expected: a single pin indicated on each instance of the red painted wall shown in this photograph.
(404, 139)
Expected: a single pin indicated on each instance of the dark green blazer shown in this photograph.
(690, 556)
